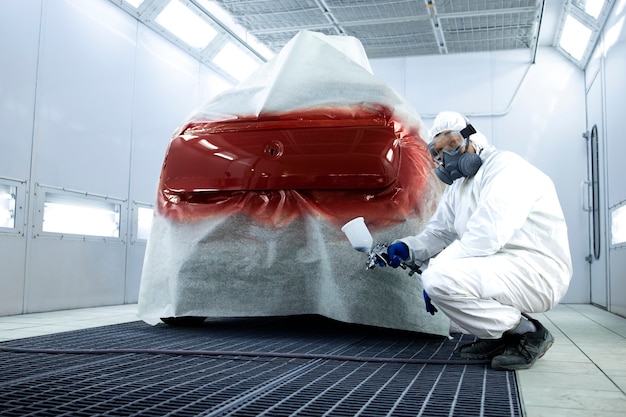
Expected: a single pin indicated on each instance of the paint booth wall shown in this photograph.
(89, 100)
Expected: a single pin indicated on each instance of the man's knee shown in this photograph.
(452, 278)
(435, 281)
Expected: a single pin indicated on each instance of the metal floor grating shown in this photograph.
(136, 380)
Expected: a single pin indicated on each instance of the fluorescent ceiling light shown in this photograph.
(225, 18)
(236, 62)
(134, 3)
(591, 7)
(575, 37)
(184, 23)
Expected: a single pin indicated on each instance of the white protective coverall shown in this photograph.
(497, 242)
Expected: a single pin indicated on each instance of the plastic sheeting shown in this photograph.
(257, 183)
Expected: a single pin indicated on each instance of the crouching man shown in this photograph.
(497, 246)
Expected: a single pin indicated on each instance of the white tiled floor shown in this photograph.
(38, 324)
(584, 374)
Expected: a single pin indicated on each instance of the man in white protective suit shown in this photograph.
(496, 247)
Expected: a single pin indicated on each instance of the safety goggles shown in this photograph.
(452, 141)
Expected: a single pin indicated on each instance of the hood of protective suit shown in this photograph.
(450, 120)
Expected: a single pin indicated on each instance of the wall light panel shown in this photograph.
(12, 203)
(71, 215)
(618, 225)
(7, 206)
(143, 214)
(68, 214)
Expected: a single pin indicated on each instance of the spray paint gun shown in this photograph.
(361, 240)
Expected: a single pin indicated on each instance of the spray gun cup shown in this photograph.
(358, 234)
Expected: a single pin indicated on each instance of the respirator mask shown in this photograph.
(455, 164)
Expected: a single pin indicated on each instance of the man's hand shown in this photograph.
(397, 252)
(430, 308)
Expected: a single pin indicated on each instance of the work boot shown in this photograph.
(523, 350)
(481, 349)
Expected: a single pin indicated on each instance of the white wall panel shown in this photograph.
(18, 72)
(134, 266)
(13, 253)
(84, 99)
(447, 82)
(474, 84)
(166, 91)
(508, 75)
(73, 274)
(617, 265)
(18, 76)
(13, 261)
(211, 84)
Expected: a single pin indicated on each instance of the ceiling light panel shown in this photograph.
(187, 25)
(592, 8)
(580, 29)
(235, 62)
(134, 3)
(575, 37)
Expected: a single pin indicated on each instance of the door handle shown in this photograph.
(585, 187)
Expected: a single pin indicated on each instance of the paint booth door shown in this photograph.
(595, 197)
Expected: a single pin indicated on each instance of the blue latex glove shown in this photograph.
(430, 308)
(397, 252)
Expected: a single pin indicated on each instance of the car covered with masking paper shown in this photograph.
(257, 183)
